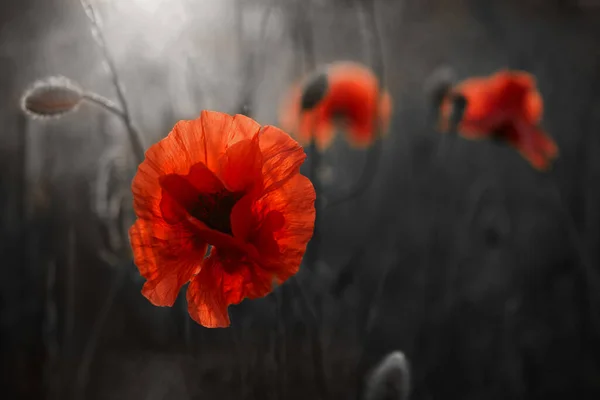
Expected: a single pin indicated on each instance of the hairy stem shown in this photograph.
(134, 136)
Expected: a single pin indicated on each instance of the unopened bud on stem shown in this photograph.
(51, 97)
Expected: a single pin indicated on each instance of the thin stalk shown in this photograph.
(50, 334)
(22, 196)
(305, 34)
(134, 136)
(590, 274)
(106, 104)
(70, 289)
(281, 345)
(249, 69)
(237, 341)
(367, 14)
(313, 174)
(90, 347)
(317, 351)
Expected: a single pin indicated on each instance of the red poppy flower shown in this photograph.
(226, 182)
(505, 106)
(344, 93)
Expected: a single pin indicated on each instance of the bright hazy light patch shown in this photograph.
(150, 6)
(186, 55)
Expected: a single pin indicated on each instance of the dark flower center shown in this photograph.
(314, 91)
(214, 209)
(208, 201)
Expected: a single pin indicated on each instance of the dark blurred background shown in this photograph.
(458, 253)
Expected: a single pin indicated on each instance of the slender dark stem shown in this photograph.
(90, 347)
(50, 335)
(317, 347)
(367, 14)
(70, 292)
(589, 272)
(305, 34)
(187, 328)
(250, 70)
(308, 47)
(366, 177)
(281, 345)
(134, 136)
(315, 243)
(264, 23)
(244, 107)
(237, 341)
(23, 137)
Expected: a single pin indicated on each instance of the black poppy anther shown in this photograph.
(314, 91)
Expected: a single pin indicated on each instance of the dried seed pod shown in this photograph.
(51, 97)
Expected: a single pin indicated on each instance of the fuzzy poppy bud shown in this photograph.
(51, 97)
(390, 379)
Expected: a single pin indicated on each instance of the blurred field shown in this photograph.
(481, 287)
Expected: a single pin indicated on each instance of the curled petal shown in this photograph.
(282, 157)
(167, 256)
(224, 280)
(288, 217)
(241, 166)
(180, 193)
(200, 141)
(242, 220)
(242, 128)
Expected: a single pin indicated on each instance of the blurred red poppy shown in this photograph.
(505, 106)
(345, 94)
(227, 182)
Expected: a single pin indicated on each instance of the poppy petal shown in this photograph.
(265, 241)
(534, 107)
(241, 165)
(242, 128)
(242, 220)
(289, 213)
(282, 157)
(181, 193)
(167, 256)
(289, 111)
(214, 237)
(189, 143)
(303, 124)
(534, 145)
(223, 281)
(361, 136)
(318, 124)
